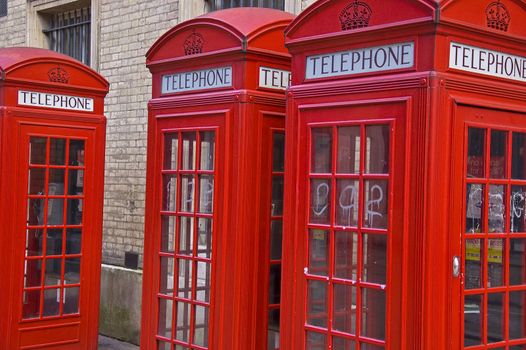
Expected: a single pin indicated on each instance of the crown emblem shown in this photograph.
(498, 16)
(58, 75)
(355, 15)
(193, 44)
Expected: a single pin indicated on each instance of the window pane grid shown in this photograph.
(347, 209)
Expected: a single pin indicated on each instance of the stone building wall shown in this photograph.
(13, 26)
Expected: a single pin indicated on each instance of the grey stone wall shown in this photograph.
(13, 26)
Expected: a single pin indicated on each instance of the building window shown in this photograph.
(225, 4)
(69, 33)
(3, 8)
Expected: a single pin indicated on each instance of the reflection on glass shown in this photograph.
(376, 199)
(55, 211)
(188, 151)
(496, 209)
(374, 258)
(277, 195)
(183, 322)
(316, 341)
(201, 326)
(472, 320)
(347, 192)
(342, 344)
(344, 313)
(517, 208)
(31, 306)
(204, 271)
(34, 242)
(516, 315)
(76, 152)
(74, 211)
(35, 212)
(348, 150)
(54, 242)
(278, 151)
(320, 201)
(276, 234)
(366, 346)
(317, 303)
(71, 301)
(319, 246)
(187, 193)
(37, 150)
(37, 181)
(204, 244)
(274, 284)
(377, 149)
(167, 275)
(51, 302)
(345, 255)
(474, 247)
(57, 152)
(476, 159)
(185, 279)
(171, 146)
(164, 328)
(169, 193)
(33, 270)
(496, 254)
(517, 260)
(56, 181)
(167, 346)
(498, 154)
(373, 313)
(273, 329)
(167, 234)
(72, 271)
(206, 194)
(75, 182)
(321, 150)
(207, 150)
(73, 241)
(518, 154)
(495, 317)
(474, 208)
(186, 235)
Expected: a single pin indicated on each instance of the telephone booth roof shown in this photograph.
(40, 66)
(232, 30)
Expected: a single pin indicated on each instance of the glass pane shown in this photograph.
(207, 150)
(31, 306)
(35, 212)
(71, 301)
(276, 235)
(54, 242)
(170, 193)
(51, 302)
(183, 322)
(517, 262)
(34, 242)
(186, 235)
(206, 194)
(377, 149)
(496, 254)
(37, 150)
(188, 151)
(321, 153)
(495, 317)
(498, 154)
(496, 209)
(184, 286)
(366, 346)
(373, 313)
(73, 241)
(319, 246)
(517, 209)
(474, 208)
(33, 271)
(374, 258)
(317, 303)
(75, 211)
(167, 234)
(476, 159)
(171, 147)
(342, 344)
(37, 181)
(348, 150)
(316, 341)
(517, 325)
(277, 195)
(346, 255)
(76, 152)
(165, 346)
(375, 211)
(320, 201)
(56, 181)
(55, 211)
(187, 193)
(518, 165)
(347, 192)
(165, 318)
(57, 152)
(75, 182)
(472, 320)
(474, 247)
(72, 271)
(204, 244)
(204, 271)
(344, 318)
(278, 152)
(273, 330)
(53, 272)
(167, 276)
(274, 284)
(201, 326)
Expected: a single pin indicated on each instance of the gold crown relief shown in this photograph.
(498, 16)
(355, 15)
(193, 44)
(58, 75)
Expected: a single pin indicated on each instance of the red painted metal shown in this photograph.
(51, 159)
(430, 107)
(243, 117)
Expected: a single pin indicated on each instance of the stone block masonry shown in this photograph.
(13, 26)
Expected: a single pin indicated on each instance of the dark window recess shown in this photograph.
(226, 4)
(70, 33)
(131, 260)
(3, 8)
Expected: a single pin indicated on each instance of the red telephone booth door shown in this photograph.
(53, 239)
(490, 224)
(351, 176)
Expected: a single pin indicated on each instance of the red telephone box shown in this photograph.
(212, 266)
(52, 135)
(405, 184)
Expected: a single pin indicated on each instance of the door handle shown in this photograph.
(456, 266)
